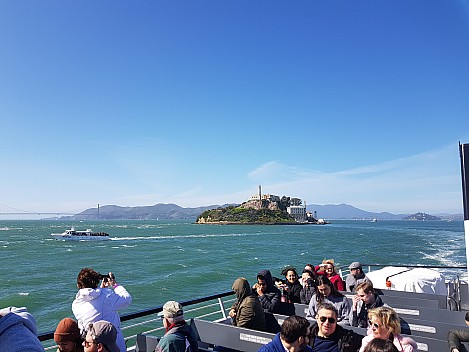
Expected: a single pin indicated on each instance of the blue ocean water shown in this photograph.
(161, 260)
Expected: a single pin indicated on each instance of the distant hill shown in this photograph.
(154, 212)
(345, 211)
(173, 211)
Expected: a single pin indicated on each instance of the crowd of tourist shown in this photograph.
(329, 312)
(96, 327)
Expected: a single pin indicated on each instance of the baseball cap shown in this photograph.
(104, 332)
(172, 309)
(355, 265)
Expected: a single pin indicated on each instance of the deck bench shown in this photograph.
(229, 336)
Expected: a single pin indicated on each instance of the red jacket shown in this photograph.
(337, 281)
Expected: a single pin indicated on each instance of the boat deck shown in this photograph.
(426, 318)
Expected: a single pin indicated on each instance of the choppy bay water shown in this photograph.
(161, 260)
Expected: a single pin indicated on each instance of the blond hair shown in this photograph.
(387, 317)
(330, 262)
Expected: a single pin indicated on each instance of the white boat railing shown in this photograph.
(211, 308)
(453, 284)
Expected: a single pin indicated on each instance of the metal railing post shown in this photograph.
(222, 307)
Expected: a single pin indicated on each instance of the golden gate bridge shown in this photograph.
(15, 211)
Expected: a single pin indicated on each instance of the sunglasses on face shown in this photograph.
(329, 319)
(373, 325)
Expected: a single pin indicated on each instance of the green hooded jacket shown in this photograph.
(248, 308)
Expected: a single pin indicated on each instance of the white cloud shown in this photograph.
(424, 182)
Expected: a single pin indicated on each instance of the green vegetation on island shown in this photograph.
(421, 217)
(241, 215)
(264, 209)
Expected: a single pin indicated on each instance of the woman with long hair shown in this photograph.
(327, 293)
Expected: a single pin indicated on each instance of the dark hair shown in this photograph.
(323, 280)
(88, 278)
(287, 269)
(293, 328)
(379, 345)
(366, 286)
(327, 306)
(466, 318)
(313, 275)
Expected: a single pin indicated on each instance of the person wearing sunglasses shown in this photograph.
(101, 337)
(384, 324)
(329, 269)
(293, 337)
(327, 335)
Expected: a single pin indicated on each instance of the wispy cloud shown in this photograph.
(400, 185)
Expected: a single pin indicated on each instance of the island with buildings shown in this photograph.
(265, 209)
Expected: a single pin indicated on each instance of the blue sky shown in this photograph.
(199, 102)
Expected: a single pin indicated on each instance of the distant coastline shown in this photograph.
(172, 211)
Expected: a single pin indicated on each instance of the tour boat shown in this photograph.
(77, 235)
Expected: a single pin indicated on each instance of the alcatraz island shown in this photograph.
(261, 209)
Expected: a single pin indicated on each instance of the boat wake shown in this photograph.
(169, 237)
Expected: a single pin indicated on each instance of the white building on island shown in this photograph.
(298, 212)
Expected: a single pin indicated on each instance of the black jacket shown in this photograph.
(359, 317)
(294, 291)
(270, 300)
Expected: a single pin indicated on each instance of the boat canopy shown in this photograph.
(420, 280)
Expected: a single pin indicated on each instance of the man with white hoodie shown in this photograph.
(18, 332)
(93, 303)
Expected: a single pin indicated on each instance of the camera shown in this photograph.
(104, 277)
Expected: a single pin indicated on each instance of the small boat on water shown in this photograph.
(77, 235)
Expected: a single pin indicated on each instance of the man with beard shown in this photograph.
(293, 337)
(67, 336)
(247, 311)
(356, 277)
(328, 336)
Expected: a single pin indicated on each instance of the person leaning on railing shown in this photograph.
(457, 336)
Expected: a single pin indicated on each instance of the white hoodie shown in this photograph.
(91, 305)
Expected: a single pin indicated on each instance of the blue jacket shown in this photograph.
(276, 346)
(18, 332)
